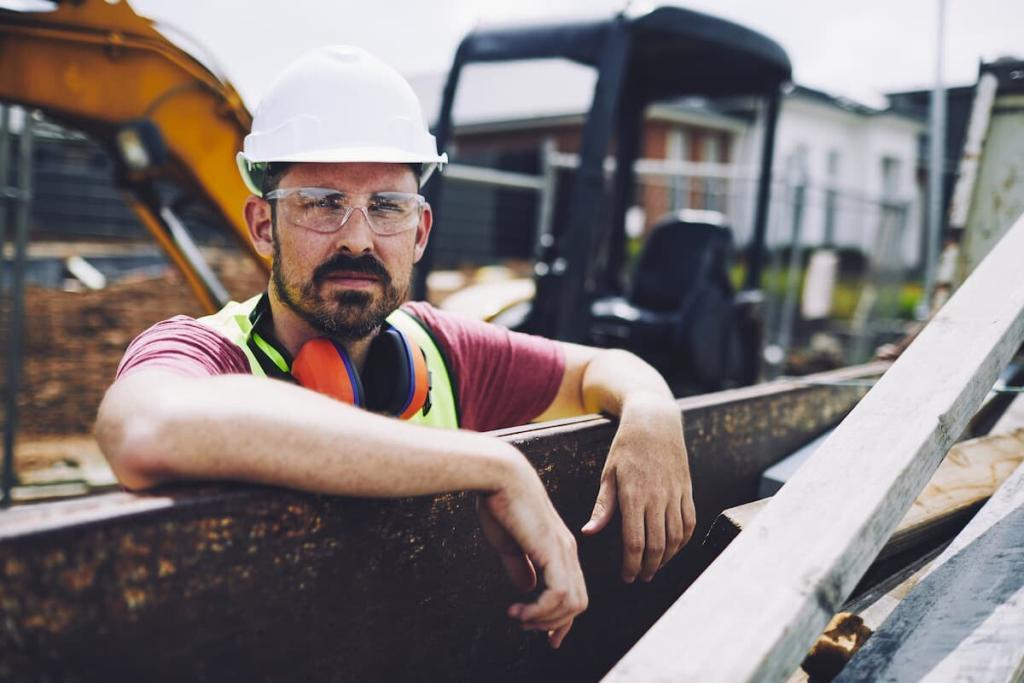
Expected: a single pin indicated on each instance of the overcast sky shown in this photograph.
(857, 49)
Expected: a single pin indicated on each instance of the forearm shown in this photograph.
(156, 428)
(615, 381)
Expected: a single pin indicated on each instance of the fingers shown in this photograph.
(633, 540)
(553, 612)
(654, 550)
(556, 631)
(520, 570)
(652, 536)
(556, 636)
(604, 508)
(564, 598)
(689, 516)
(517, 565)
(675, 536)
(554, 606)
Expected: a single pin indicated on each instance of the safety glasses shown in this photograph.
(326, 210)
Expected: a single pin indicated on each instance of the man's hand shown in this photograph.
(523, 526)
(647, 477)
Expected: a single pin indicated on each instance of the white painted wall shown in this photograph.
(813, 128)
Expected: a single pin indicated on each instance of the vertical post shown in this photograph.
(755, 252)
(5, 195)
(936, 163)
(16, 321)
(544, 237)
(576, 244)
(631, 121)
(788, 313)
(5, 158)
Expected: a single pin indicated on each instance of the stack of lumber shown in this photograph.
(963, 619)
(967, 477)
(783, 579)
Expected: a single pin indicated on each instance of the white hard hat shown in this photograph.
(338, 104)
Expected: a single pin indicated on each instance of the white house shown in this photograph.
(857, 165)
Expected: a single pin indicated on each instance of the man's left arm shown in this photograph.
(646, 476)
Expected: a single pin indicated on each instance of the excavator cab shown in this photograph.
(640, 59)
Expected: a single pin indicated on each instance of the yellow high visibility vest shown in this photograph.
(234, 322)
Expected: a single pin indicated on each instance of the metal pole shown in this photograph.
(546, 201)
(190, 250)
(936, 164)
(5, 154)
(570, 317)
(5, 157)
(788, 314)
(16, 323)
(755, 252)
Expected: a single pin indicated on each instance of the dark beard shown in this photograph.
(348, 315)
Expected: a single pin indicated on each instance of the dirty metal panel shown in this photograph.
(247, 583)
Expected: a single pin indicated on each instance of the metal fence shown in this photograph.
(869, 245)
(16, 193)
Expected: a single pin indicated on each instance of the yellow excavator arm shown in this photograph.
(97, 66)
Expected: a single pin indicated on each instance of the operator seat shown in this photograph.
(680, 309)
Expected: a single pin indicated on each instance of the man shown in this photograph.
(333, 161)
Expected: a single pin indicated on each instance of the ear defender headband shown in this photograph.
(394, 382)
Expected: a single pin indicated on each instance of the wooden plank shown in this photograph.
(964, 619)
(995, 416)
(776, 586)
(245, 583)
(967, 476)
(875, 604)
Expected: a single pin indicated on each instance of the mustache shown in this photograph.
(352, 264)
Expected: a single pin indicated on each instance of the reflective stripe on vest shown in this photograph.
(233, 322)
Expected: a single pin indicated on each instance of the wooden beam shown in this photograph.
(875, 604)
(247, 583)
(966, 478)
(778, 584)
(964, 618)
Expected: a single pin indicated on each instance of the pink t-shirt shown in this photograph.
(503, 378)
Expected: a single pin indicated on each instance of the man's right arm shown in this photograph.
(156, 426)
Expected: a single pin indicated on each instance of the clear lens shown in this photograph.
(326, 210)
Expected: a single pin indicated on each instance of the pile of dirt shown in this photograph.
(74, 340)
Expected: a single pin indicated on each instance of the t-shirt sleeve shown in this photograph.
(504, 378)
(184, 346)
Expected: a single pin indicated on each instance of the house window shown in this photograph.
(890, 177)
(678, 150)
(714, 187)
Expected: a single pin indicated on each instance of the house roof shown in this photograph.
(548, 92)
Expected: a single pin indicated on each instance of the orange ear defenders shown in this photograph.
(395, 380)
